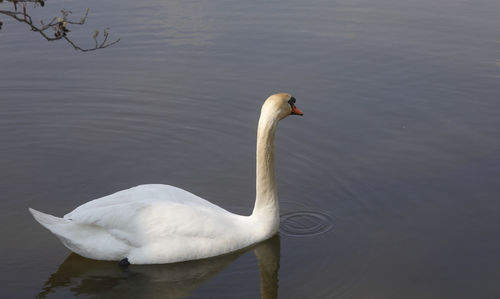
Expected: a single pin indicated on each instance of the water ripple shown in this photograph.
(305, 223)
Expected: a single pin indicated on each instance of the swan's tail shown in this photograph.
(89, 241)
(52, 223)
(61, 228)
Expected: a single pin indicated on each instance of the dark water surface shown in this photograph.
(389, 185)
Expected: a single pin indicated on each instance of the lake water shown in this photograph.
(389, 184)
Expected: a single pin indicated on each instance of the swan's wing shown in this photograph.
(147, 213)
(145, 193)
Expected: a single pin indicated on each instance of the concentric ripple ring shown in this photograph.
(305, 223)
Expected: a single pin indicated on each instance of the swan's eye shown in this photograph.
(295, 110)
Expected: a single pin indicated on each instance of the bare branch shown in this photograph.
(91, 49)
(59, 25)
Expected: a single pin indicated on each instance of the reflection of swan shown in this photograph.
(82, 276)
(152, 224)
(268, 256)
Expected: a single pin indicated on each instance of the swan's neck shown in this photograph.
(266, 208)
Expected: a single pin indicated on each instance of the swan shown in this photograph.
(157, 224)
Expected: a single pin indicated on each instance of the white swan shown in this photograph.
(154, 224)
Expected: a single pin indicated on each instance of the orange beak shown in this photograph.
(296, 111)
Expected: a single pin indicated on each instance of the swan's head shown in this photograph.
(281, 105)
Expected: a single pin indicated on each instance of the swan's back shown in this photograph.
(143, 195)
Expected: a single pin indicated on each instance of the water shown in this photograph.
(388, 185)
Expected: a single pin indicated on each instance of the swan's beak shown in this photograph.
(296, 111)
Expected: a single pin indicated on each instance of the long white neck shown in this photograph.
(266, 208)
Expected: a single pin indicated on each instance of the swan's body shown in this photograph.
(151, 224)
